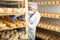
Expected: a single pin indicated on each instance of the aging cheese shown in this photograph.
(2, 26)
(53, 2)
(57, 2)
(12, 25)
(1, 10)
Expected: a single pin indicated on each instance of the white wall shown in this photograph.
(49, 8)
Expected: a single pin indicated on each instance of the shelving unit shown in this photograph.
(49, 3)
(48, 24)
(14, 28)
(46, 35)
(50, 15)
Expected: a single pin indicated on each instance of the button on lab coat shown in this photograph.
(33, 21)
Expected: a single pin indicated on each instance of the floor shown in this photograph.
(38, 38)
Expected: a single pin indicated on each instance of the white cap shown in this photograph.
(33, 5)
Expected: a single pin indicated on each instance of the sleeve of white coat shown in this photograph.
(34, 23)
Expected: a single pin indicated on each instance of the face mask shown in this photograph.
(30, 12)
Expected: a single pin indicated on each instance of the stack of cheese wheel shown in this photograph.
(10, 35)
(11, 25)
(57, 16)
(45, 35)
(18, 24)
(56, 27)
(9, 10)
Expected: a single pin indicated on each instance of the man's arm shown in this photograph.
(34, 23)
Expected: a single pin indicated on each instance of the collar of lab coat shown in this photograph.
(36, 14)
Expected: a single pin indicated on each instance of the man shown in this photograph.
(34, 18)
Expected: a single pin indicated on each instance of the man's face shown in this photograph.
(32, 9)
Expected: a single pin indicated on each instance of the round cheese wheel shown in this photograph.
(9, 10)
(14, 10)
(53, 2)
(5, 9)
(57, 2)
(1, 10)
(50, 15)
(49, 2)
(42, 2)
(2, 26)
(46, 14)
(12, 25)
(45, 2)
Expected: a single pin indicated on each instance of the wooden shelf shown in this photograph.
(11, 0)
(9, 4)
(5, 14)
(49, 3)
(50, 15)
(46, 35)
(16, 34)
(5, 24)
(20, 11)
(49, 26)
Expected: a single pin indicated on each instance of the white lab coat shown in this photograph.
(33, 21)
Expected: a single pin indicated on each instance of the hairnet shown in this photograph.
(33, 5)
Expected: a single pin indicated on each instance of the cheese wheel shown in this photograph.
(45, 2)
(50, 15)
(12, 25)
(53, 27)
(46, 14)
(57, 16)
(39, 3)
(2, 26)
(7, 23)
(53, 2)
(9, 10)
(22, 24)
(18, 24)
(57, 28)
(42, 14)
(5, 9)
(57, 2)
(25, 23)
(53, 16)
(49, 2)
(14, 10)
(18, 10)
(49, 26)
(1, 10)
(42, 2)
(46, 25)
